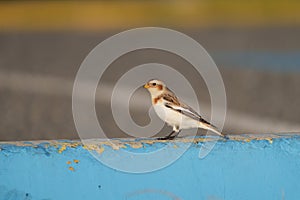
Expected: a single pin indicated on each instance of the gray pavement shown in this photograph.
(38, 70)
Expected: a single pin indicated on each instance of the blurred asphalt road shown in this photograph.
(37, 71)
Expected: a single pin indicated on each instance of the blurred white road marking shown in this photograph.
(51, 85)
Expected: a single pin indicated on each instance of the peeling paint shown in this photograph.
(270, 140)
(64, 146)
(35, 169)
(98, 145)
(136, 145)
(94, 147)
(100, 150)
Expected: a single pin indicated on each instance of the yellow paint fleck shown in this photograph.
(247, 140)
(136, 145)
(65, 145)
(76, 161)
(270, 140)
(266, 138)
(62, 148)
(69, 162)
(115, 146)
(94, 147)
(149, 142)
(71, 168)
(100, 150)
(175, 146)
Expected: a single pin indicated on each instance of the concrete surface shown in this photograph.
(244, 167)
(38, 68)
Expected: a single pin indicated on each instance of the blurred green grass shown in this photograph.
(105, 15)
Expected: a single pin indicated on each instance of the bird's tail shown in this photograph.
(214, 129)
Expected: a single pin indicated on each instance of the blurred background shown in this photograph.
(255, 44)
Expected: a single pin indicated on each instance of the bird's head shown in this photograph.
(155, 87)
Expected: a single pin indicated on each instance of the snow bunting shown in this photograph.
(175, 113)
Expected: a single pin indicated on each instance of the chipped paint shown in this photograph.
(270, 140)
(64, 145)
(100, 150)
(98, 145)
(93, 147)
(62, 148)
(67, 170)
(135, 145)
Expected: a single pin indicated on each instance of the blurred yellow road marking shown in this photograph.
(95, 15)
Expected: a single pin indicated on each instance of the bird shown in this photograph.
(174, 112)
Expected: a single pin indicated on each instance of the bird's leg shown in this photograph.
(176, 130)
(167, 137)
(171, 137)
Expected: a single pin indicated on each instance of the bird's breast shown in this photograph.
(156, 100)
(168, 115)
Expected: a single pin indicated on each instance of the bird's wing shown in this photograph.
(173, 102)
(187, 111)
(170, 98)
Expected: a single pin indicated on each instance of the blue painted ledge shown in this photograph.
(244, 167)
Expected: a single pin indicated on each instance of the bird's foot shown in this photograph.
(167, 137)
(225, 137)
(171, 136)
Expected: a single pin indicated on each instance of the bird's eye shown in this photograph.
(154, 84)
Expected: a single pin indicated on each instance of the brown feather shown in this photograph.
(159, 87)
(170, 98)
(155, 100)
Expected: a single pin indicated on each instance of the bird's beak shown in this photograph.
(146, 86)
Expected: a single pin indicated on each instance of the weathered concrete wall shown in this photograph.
(265, 167)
